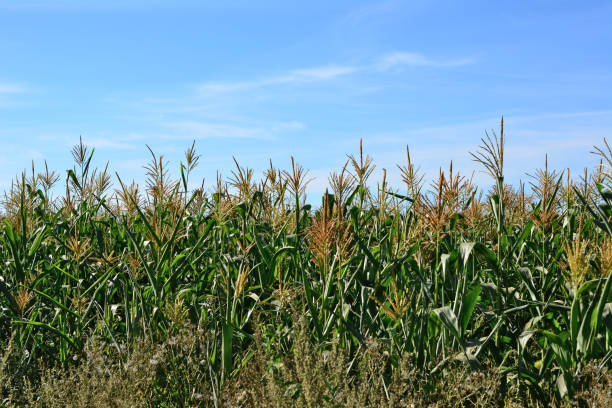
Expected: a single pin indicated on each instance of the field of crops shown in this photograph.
(424, 294)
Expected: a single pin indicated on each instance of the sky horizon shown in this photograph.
(278, 79)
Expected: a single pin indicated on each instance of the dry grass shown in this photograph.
(173, 374)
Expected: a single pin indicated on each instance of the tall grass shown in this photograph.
(444, 279)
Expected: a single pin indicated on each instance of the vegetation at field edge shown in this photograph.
(116, 294)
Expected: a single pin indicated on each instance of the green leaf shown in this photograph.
(448, 318)
(50, 328)
(601, 304)
(465, 249)
(559, 347)
(400, 196)
(241, 209)
(37, 241)
(487, 253)
(574, 323)
(55, 302)
(74, 179)
(607, 315)
(226, 350)
(467, 306)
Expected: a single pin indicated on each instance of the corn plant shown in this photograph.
(504, 280)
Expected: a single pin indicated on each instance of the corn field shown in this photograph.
(507, 281)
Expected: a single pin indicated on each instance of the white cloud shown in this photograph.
(203, 130)
(404, 58)
(11, 88)
(414, 59)
(107, 143)
(34, 154)
(9, 94)
(208, 130)
(85, 5)
(560, 115)
(323, 73)
(368, 12)
(332, 71)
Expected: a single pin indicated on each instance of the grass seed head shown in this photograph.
(362, 166)
(577, 259)
(605, 256)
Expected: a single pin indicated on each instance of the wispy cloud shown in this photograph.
(81, 5)
(106, 143)
(368, 12)
(398, 59)
(323, 73)
(209, 130)
(561, 115)
(11, 88)
(333, 71)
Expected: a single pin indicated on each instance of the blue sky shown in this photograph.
(263, 80)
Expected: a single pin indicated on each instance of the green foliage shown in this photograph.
(516, 285)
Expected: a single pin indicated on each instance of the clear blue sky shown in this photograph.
(271, 79)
